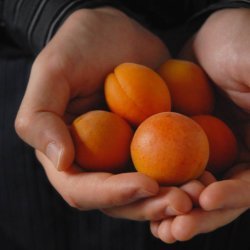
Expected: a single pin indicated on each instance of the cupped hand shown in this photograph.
(67, 76)
(219, 203)
(216, 203)
(127, 195)
(66, 80)
(221, 47)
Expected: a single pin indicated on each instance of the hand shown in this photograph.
(67, 76)
(66, 80)
(221, 47)
(218, 204)
(119, 195)
(223, 52)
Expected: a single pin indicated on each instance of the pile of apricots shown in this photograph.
(159, 121)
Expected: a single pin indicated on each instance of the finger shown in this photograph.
(193, 189)
(154, 225)
(39, 119)
(170, 201)
(207, 178)
(86, 190)
(185, 227)
(81, 105)
(226, 194)
(163, 230)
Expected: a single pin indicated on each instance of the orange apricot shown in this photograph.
(102, 141)
(189, 87)
(222, 143)
(136, 92)
(170, 147)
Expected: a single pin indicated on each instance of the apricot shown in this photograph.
(189, 87)
(102, 141)
(170, 147)
(136, 92)
(223, 144)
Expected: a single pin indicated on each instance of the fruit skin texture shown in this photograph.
(222, 143)
(171, 148)
(136, 92)
(189, 87)
(102, 141)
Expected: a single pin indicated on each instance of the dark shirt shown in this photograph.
(33, 216)
(31, 24)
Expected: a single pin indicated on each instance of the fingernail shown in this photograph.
(53, 152)
(170, 211)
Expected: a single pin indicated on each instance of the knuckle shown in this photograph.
(50, 63)
(69, 195)
(72, 202)
(22, 125)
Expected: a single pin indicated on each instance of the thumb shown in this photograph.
(39, 120)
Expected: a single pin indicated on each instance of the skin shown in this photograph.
(221, 48)
(73, 65)
(66, 80)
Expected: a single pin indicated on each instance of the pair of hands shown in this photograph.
(66, 80)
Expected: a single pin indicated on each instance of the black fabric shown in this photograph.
(34, 217)
(30, 24)
(175, 36)
(33, 25)
(196, 20)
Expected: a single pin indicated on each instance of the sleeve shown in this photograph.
(199, 18)
(31, 24)
(201, 10)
